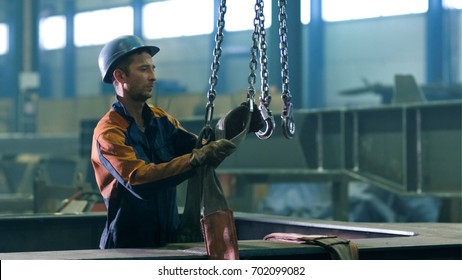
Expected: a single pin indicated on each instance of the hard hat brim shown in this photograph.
(152, 50)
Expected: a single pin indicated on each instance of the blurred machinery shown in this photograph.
(411, 148)
(433, 92)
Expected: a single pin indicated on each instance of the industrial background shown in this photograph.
(376, 98)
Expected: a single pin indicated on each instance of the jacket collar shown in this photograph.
(118, 107)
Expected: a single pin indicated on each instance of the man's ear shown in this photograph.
(119, 75)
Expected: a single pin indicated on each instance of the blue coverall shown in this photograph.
(137, 173)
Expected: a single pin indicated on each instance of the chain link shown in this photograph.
(206, 134)
(288, 124)
(217, 51)
(253, 64)
(265, 97)
(259, 44)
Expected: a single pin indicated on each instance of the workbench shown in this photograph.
(76, 237)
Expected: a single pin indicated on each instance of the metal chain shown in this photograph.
(259, 44)
(253, 64)
(259, 40)
(211, 94)
(265, 97)
(288, 124)
(207, 132)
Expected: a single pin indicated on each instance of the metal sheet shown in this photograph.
(76, 237)
(408, 148)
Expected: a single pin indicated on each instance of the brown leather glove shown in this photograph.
(212, 154)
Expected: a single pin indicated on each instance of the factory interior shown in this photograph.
(362, 141)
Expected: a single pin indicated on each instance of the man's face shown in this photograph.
(140, 77)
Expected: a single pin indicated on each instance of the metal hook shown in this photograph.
(207, 133)
(269, 124)
(288, 127)
(205, 136)
(208, 112)
(288, 122)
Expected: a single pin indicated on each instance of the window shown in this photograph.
(452, 4)
(240, 15)
(100, 26)
(3, 38)
(337, 10)
(52, 32)
(305, 10)
(176, 18)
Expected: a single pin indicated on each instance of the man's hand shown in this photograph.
(212, 154)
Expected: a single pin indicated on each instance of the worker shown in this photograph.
(140, 153)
